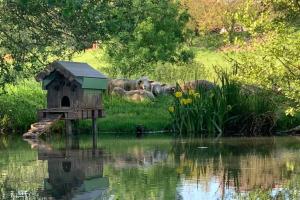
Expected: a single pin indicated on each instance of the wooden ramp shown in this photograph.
(41, 127)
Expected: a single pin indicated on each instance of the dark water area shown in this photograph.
(155, 167)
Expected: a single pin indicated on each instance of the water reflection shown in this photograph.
(237, 168)
(73, 173)
(151, 168)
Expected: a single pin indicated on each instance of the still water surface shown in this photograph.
(149, 168)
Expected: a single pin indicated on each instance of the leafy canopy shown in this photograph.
(158, 34)
(36, 32)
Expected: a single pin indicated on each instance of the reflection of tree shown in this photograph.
(244, 166)
(151, 168)
(141, 169)
(19, 170)
(156, 182)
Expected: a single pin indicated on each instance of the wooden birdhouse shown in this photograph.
(74, 91)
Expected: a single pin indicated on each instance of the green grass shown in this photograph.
(209, 60)
(203, 67)
(124, 115)
(95, 58)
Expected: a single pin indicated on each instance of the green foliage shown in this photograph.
(19, 105)
(286, 122)
(287, 10)
(242, 19)
(34, 33)
(224, 110)
(209, 41)
(158, 34)
(274, 64)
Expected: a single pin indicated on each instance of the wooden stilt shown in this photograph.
(68, 124)
(72, 141)
(94, 130)
(76, 127)
(75, 142)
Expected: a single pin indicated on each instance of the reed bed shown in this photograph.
(226, 110)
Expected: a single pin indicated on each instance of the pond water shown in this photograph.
(154, 167)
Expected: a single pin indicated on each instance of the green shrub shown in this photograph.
(19, 105)
(287, 120)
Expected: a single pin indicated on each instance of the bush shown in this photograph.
(19, 105)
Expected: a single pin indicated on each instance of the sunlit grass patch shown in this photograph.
(123, 115)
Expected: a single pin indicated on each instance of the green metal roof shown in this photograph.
(79, 69)
(83, 73)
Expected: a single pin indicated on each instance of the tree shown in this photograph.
(274, 64)
(213, 15)
(157, 34)
(33, 33)
(205, 14)
(36, 32)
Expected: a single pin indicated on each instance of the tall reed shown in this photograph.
(225, 110)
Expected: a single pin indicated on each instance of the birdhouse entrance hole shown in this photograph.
(65, 102)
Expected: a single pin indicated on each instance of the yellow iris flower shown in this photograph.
(186, 101)
(196, 94)
(191, 92)
(290, 112)
(171, 109)
(178, 94)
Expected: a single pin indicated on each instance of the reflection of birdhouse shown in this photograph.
(66, 165)
(76, 173)
(73, 90)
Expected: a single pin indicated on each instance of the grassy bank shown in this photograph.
(123, 115)
(18, 110)
(18, 106)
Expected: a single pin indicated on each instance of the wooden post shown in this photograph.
(68, 124)
(76, 127)
(94, 130)
(75, 142)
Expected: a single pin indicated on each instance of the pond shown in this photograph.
(154, 167)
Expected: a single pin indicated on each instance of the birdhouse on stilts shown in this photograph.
(74, 92)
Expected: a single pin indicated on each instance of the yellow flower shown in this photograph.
(290, 112)
(290, 166)
(182, 101)
(186, 101)
(196, 94)
(171, 109)
(191, 92)
(178, 94)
